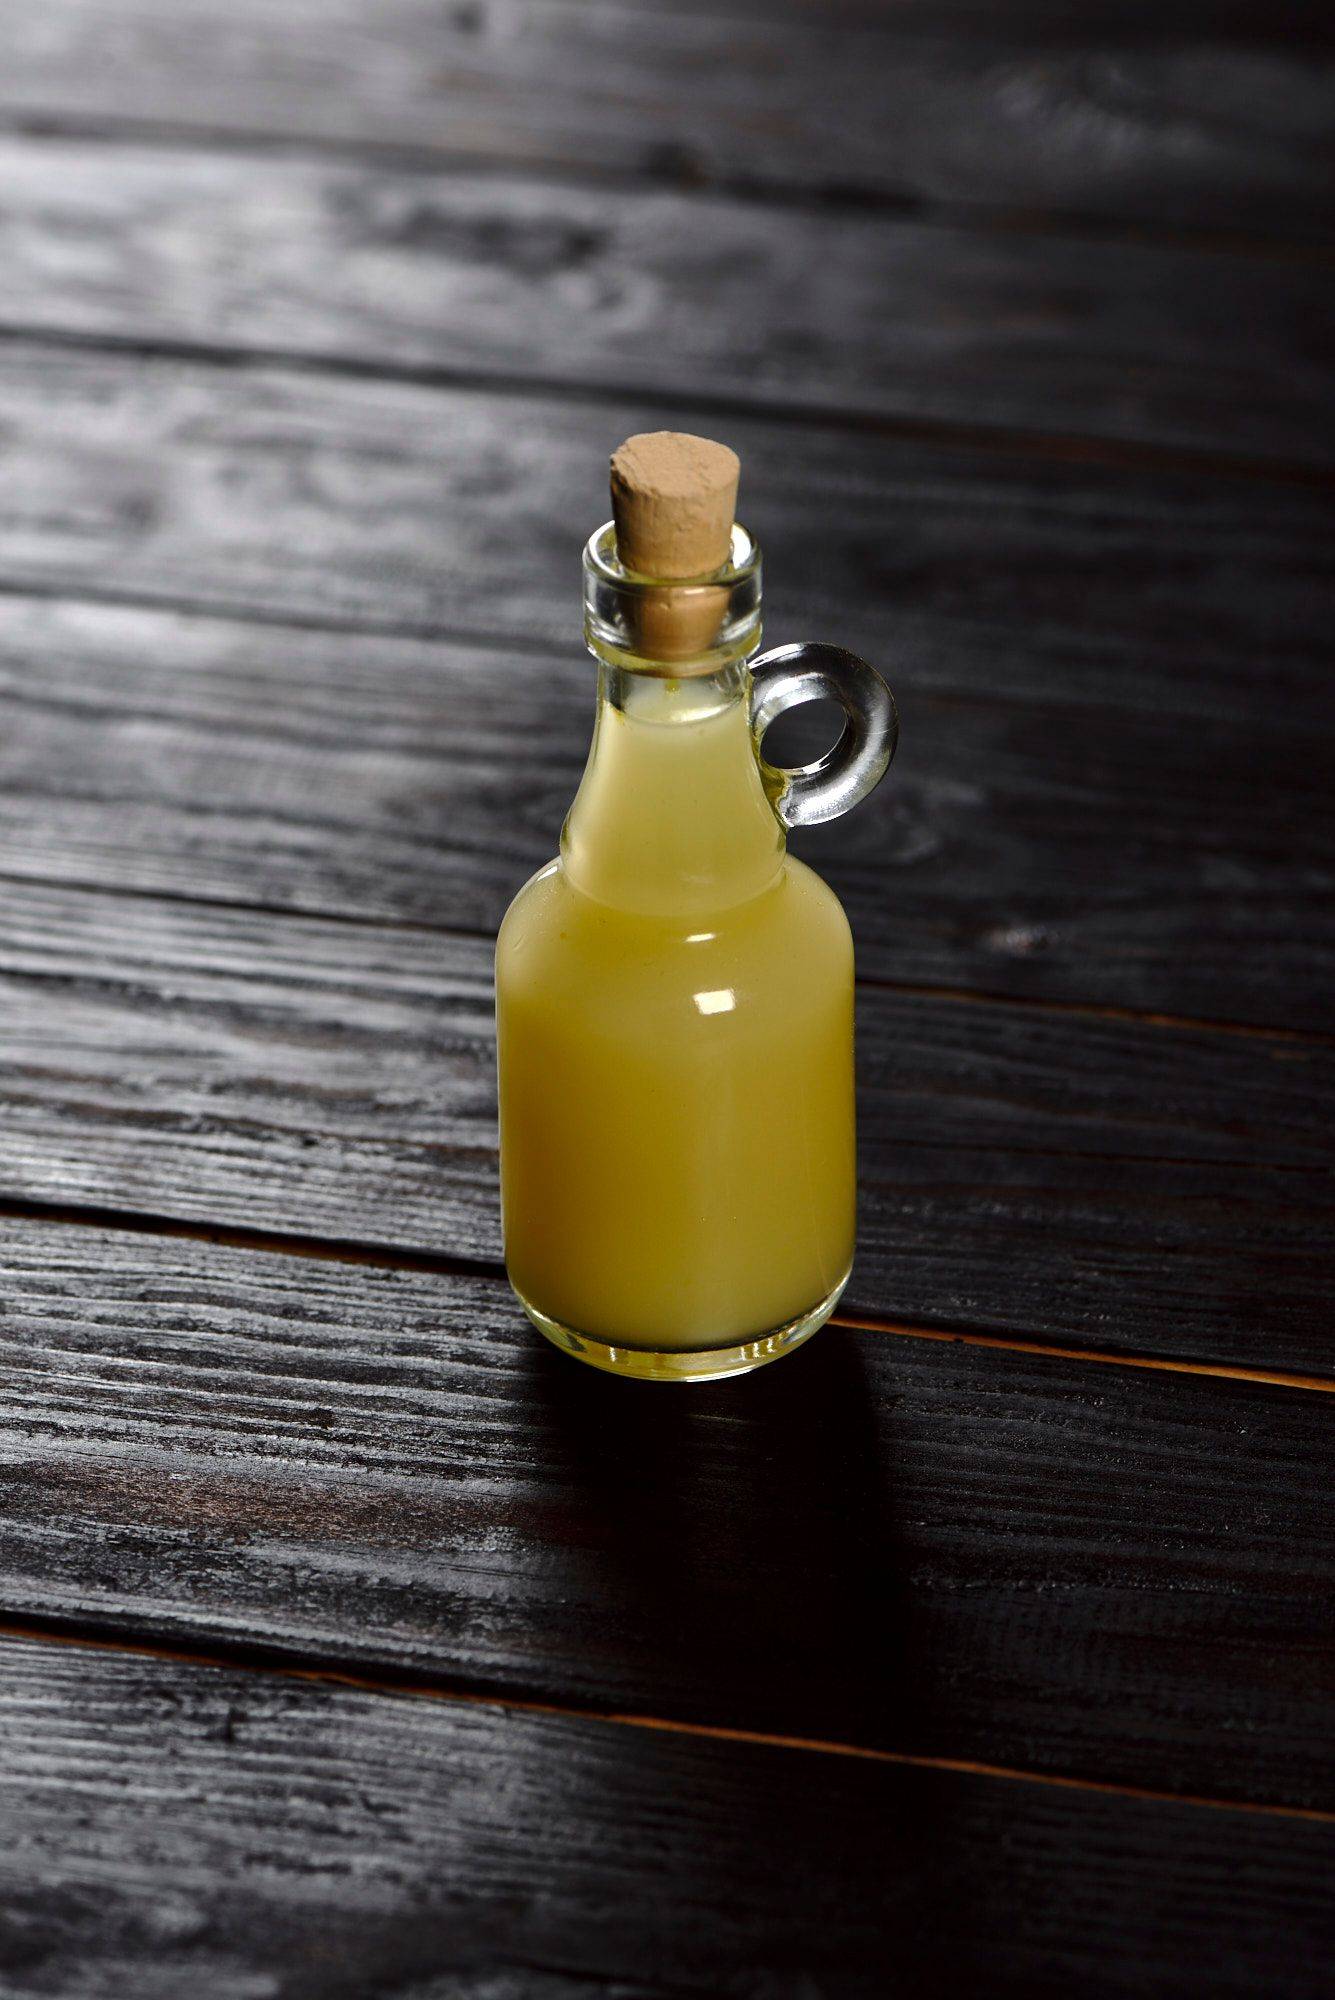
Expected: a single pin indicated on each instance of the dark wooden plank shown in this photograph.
(664, 292)
(399, 506)
(1123, 1185)
(901, 1544)
(181, 1828)
(1196, 114)
(1059, 848)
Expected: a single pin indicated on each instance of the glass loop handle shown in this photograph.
(809, 794)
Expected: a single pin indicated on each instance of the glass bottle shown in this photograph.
(675, 997)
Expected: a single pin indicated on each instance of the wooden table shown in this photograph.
(355, 1643)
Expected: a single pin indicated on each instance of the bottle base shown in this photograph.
(677, 1364)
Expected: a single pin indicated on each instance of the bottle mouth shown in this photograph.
(674, 626)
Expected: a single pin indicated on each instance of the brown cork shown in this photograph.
(673, 501)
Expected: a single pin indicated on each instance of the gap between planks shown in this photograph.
(941, 433)
(1102, 1357)
(438, 1264)
(955, 996)
(255, 1659)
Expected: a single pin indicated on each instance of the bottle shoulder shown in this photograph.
(816, 893)
(553, 931)
(541, 891)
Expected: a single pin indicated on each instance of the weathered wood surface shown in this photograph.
(1069, 848)
(1129, 1185)
(1095, 245)
(176, 1828)
(1061, 595)
(398, 506)
(897, 1543)
(1196, 115)
(658, 292)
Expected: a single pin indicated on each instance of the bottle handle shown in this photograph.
(808, 794)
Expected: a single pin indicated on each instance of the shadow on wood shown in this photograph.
(747, 1520)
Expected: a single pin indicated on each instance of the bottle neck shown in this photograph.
(671, 817)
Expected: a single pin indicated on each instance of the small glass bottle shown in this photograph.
(675, 991)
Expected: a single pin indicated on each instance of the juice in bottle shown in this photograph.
(674, 991)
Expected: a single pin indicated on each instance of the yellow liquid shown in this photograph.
(675, 1028)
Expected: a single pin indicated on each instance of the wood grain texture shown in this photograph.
(223, 231)
(1030, 1562)
(1070, 849)
(398, 506)
(193, 1829)
(663, 292)
(1149, 1188)
(1199, 114)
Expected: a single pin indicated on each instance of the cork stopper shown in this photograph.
(673, 501)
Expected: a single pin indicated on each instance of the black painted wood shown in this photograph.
(1071, 848)
(668, 292)
(202, 1830)
(1112, 672)
(397, 506)
(1199, 114)
(1119, 1184)
(897, 1543)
